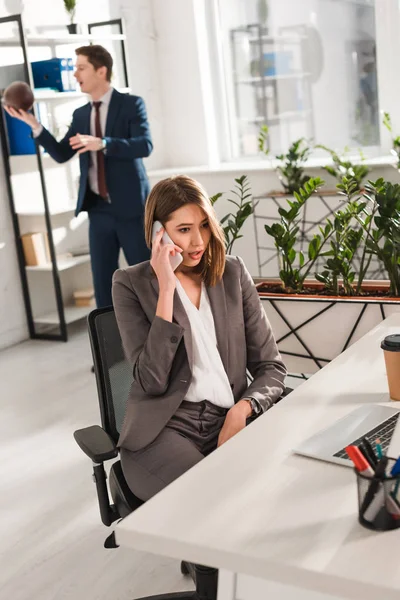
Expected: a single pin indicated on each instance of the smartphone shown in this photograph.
(174, 260)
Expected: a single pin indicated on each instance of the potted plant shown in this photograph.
(70, 7)
(291, 168)
(343, 167)
(322, 301)
(233, 222)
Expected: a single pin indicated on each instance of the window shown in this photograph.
(305, 68)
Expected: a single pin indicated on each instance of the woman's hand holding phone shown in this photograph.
(161, 260)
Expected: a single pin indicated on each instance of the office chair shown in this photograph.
(114, 377)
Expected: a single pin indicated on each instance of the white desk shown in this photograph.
(287, 525)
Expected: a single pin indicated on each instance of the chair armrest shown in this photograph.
(96, 443)
(285, 393)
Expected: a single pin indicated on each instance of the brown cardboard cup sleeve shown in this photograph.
(391, 350)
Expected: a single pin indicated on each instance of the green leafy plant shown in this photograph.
(345, 241)
(395, 139)
(349, 188)
(70, 7)
(294, 265)
(344, 167)
(368, 223)
(233, 222)
(381, 225)
(291, 171)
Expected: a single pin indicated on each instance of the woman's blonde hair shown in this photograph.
(174, 192)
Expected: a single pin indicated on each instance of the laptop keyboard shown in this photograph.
(383, 432)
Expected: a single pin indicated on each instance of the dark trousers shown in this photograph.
(190, 435)
(107, 235)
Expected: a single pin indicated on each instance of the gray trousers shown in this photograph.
(189, 436)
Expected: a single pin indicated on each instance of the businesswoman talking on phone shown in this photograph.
(190, 335)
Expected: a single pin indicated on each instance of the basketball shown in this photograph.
(18, 95)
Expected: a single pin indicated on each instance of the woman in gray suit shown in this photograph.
(190, 335)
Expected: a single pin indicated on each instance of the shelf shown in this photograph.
(72, 314)
(277, 39)
(72, 38)
(279, 117)
(54, 95)
(63, 264)
(62, 39)
(40, 212)
(256, 80)
(27, 163)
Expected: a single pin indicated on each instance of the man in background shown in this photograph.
(111, 135)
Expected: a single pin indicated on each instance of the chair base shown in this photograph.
(188, 570)
(184, 568)
(174, 596)
(205, 579)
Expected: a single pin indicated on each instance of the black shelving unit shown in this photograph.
(56, 330)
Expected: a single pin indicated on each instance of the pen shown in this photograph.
(372, 500)
(373, 461)
(359, 461)
(363, 452)
(378, 447)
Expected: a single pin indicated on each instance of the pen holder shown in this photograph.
(379, 500)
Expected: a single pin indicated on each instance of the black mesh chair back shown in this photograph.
(114, 379)
(113, 372)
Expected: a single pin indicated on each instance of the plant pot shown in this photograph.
(311, 329)
(72, 28)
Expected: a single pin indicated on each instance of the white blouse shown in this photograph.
(209, 378)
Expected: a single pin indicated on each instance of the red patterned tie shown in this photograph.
(101, 172)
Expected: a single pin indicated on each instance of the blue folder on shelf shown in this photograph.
(51, 73)
(19, 137)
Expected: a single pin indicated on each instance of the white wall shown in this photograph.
(185, 89)
(142, 57)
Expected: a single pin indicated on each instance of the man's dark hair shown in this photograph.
(98, 57)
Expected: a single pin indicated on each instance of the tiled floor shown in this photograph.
(51, 544)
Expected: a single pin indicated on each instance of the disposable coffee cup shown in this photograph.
(391, 351)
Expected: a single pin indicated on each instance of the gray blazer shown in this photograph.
(161, 352)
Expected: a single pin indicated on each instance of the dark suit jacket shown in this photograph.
(161, 352)
(128, 141)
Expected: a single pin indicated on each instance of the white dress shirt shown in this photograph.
(209, 378)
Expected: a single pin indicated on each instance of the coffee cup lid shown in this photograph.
(391, 342)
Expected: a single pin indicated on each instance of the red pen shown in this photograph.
(359, 460)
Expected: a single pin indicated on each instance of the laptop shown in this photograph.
(372, 421)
